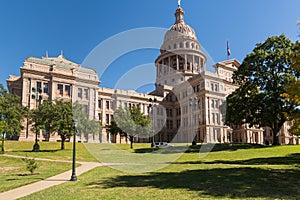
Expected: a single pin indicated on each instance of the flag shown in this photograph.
(228, 50)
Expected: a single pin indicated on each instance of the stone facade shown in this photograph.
(54, 78)
(190, 100)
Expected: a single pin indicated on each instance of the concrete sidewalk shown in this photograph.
(49, 182)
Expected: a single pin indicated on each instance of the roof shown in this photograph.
(60, 61)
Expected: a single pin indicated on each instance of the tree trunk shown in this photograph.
(63, 138)
(275, 136)
(131, 142)
(2, 149)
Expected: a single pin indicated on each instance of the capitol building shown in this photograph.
(187, 104)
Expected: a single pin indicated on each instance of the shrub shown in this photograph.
(31, 164)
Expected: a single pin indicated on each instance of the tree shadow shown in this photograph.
(30, 151)
(224, 147)
(166, 150)
(291, 159)
(218, 182)
(197, 148)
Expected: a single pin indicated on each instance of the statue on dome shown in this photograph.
(179, 2)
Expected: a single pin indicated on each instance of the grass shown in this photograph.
(13, 172)
(227, 172)
(49, 150)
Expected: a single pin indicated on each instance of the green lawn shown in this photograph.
(13, 172)
(50, 150)
(229, 171)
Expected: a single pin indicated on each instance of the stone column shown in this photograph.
(185, 63)
(177, 63)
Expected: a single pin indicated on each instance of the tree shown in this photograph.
(93, 127)
(2, 129)
(293, 90)
(263, 77)
(45, 117)
(85, 125)
(132, 123)
(114, 129)
(63, 122)
(12, 114)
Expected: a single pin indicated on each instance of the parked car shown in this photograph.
(162, 145)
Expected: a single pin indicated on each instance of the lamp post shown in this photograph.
(152, 104)
(73, 177)
(37, 95)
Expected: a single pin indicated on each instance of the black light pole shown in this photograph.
(73, 177)
(36, 146)
(38, 97)
(152, 110)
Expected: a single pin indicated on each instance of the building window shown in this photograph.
(107, 105)
(107, 119)
(67, 90)
(171, 124)
(99, 103)
(187, 45)
(214, 87)
(178, 123)
(181, 45)
(85, 107)
(46, 89)
(60, 89)
(79, 92)
(39, 86)
(99, 116)
(86, 93)
(175, 46)
(171, 112)
(215, 103)
(215, 118)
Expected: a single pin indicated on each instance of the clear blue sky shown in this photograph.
(30, 27)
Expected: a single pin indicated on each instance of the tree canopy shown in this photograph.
(293, 90)
(58, 117)
(12, 114)
(262, 79)
(85, 125)
(132, 123)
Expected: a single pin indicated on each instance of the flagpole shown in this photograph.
(228, 50)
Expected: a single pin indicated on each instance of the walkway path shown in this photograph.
(49, 182)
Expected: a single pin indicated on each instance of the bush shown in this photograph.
(31, 164)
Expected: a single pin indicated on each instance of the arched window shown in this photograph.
(187, 45)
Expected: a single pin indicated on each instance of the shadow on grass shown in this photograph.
(196, 148)
(217, 182)
(167, 150)
(291, 159)
(40, 151)
(224, 147)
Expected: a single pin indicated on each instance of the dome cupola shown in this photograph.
(180, 32)
(181, 57)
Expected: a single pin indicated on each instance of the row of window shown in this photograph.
(108, 118)
(83, 93)
(188, 45)
(63, 90)
(198, 87)
(215, 118)
(41, 87)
